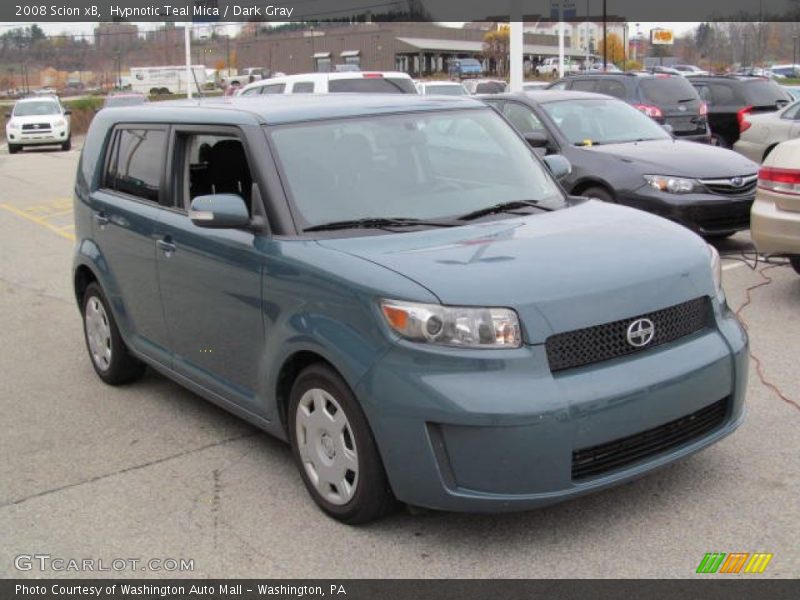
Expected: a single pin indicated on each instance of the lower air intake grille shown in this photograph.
(610, 340)
(597, 460)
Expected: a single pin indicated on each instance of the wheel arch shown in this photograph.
(584, 184)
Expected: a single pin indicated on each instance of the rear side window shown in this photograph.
(611, 87)
(303, 87)
(135, 162)
(583, 85)
(764, 93)
(273, 88)
(668, 90)
(373, 85)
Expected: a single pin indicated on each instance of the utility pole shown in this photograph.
(605, 39)
(187, 41)
(794, 56)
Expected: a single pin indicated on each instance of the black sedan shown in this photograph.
(620, 155)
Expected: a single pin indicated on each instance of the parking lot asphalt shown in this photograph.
(152, 471)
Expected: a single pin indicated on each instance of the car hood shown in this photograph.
(680, 158)
(589, 264)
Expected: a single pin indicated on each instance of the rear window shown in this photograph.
(373, 85)
(667, 90)
(490, 87)
(448, 90)
(764, 93)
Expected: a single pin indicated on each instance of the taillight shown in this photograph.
(783, 181)
(703, 109)
(372, 75)
(649, 110)
(741, 117)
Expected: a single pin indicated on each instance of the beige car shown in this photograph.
(762, 132)
(775, 216)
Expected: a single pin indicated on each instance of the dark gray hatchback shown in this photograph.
(667, 99)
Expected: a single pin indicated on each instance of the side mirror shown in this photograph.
(559, 166)
(668, 128)
(8, 115)
(219, 211)
(536, 139)
(67, 112)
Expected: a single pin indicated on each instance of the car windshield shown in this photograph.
(668, 90)
(36, 108)
(588, 122)
(448, 90)
(431, 165)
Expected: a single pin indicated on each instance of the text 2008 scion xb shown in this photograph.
(399, 287)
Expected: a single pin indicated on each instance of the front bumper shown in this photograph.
(468, 431)
(57, 135)
(705, 214)
(774, 231)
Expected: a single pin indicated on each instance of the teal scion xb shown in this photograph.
(399, 288)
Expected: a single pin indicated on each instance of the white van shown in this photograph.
(364, 82)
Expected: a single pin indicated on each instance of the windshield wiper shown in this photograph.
(502, 207)
(377, 223)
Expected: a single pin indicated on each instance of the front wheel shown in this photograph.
(334, 449)
(598, 193)
(67, 145)
(14, 148)
(795, 262)
(110, 357)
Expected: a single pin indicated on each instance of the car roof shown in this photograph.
(281, 109)
(547, 96)
(39, 98)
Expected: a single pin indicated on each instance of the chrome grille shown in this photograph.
(728, 187)
(604, 342)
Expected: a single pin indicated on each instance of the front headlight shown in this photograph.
(671, 185)
(12, 124)
(59, 123)
(716, 267)
(461, 326)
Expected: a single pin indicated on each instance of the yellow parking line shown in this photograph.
(58, 213)
(38, 221)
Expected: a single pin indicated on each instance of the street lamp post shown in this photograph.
(794, 55)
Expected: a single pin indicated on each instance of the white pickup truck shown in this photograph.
(550, 66)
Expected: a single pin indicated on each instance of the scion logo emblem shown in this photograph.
(641, 332)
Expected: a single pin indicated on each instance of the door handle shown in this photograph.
(101, 219)
(167, 247)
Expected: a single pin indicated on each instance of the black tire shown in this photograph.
(14, 148)
(795, 262)
(600, 193)
(718, 141)
(67, 145)
(373, 497)
(122, 367)
(154, 91)
(718, 237)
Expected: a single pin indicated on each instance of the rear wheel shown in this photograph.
(334, 449)
(795, 262)
(111, 359)
(599, 193)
